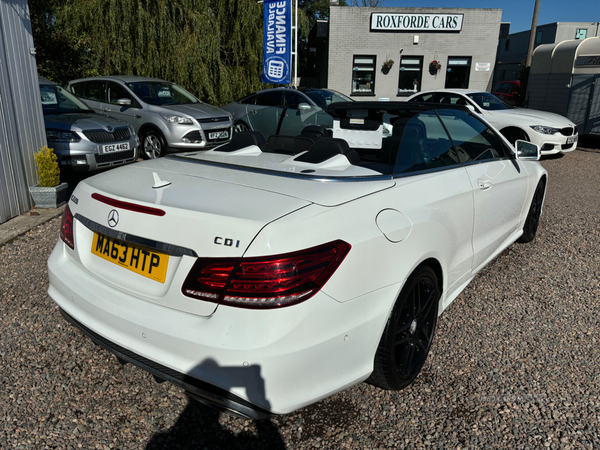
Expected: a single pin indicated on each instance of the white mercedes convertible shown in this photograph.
(274, 271)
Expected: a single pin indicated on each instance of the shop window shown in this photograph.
(581, 33)
(458, 72)
(363, 75)
(411, 74)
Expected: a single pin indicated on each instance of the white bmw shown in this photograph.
(551, 132)
(265, 275)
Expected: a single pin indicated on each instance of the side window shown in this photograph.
(269, 98)
(292, 99)
(452, 99)
(115, 91)
(473, 139)
(424, 145)
(427, 98)
(94, 90)
(250, 100)
(77, 89)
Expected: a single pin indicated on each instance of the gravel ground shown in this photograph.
(515, 362)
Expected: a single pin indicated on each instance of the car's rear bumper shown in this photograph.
(204, 392)
(250, 362)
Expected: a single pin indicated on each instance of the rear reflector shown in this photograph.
(66, 228)
(265, 282)
(128, 206)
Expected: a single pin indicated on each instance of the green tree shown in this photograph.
(60, 56)
(213, 48)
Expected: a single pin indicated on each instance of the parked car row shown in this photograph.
(148, 117)
(114, 120)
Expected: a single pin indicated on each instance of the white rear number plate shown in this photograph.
(115, 147)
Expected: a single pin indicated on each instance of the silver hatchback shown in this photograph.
(165, 116)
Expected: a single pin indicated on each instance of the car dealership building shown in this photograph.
(390, 53)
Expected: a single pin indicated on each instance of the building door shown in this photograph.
(458, 72)
(584, 103)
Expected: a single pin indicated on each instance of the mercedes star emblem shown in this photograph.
(113, 218)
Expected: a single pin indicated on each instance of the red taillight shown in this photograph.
(129, 206)
(66, 228)
(265, 282)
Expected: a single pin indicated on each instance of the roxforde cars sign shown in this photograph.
(415, 22)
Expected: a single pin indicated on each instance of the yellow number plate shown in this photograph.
(141, 260)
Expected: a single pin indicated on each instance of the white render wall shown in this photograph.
(349, 35)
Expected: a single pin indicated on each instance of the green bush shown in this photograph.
(47, 167)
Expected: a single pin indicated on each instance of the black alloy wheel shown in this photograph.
(409, 332)
(153, 145)
(533, 216)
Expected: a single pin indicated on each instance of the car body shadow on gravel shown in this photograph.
(198, 427)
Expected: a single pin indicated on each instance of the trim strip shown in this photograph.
(173, 250)
(128, 206)
(302, 176)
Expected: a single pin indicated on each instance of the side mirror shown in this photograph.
(472, 108)
(304, 107)
(124, 102)
(526, 151)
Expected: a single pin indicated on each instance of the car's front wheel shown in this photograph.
(514, 134)
(153, 145)
(240, 126)
(409, 332)
(533, 216)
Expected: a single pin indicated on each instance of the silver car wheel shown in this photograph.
(152, 146)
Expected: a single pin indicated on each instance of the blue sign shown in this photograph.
(277, 42)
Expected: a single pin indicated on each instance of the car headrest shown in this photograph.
(315, 130)
(399, 125)
(326, 148)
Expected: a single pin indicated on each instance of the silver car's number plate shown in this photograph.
(219, 135)
(115, 147)
(571, 139)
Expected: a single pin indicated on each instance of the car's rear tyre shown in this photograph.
(533, 216)
(408, 333)
(514, 134)
(153, 145)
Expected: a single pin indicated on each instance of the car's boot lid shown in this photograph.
(142, 233)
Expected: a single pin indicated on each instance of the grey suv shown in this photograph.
(164, 115)
(82, 139)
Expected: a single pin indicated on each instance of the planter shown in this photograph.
(49, 197)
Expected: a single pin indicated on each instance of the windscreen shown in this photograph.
(162, 93)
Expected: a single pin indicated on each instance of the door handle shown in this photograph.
(484, 184)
